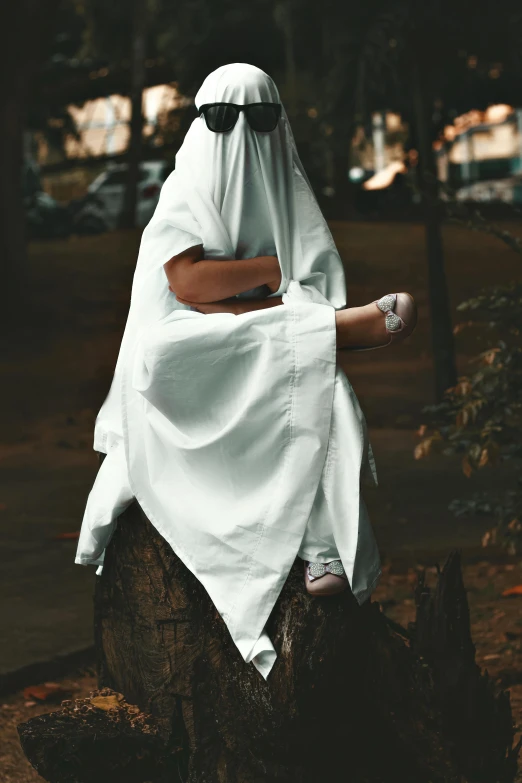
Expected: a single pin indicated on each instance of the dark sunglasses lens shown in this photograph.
(262, 118)
(221, 118)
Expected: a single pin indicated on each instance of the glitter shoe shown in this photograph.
(401, 318)
(325, 578)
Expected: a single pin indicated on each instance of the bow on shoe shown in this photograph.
(317, 570)
(386, 305)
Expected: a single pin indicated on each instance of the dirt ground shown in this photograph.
(57, 367)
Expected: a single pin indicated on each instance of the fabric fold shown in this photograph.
(239, 436)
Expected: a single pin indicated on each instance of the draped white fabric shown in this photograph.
(239, 436)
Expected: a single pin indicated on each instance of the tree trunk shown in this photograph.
(22, 46)
(352, 696)
(139, 40)
(441, 325)
(12, 218)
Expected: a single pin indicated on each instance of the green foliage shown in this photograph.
(481, 417)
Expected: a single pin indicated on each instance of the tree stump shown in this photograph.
(352, 696)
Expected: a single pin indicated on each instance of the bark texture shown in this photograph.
(352, 696)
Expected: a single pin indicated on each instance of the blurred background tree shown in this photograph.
(432, 61)
(23, 46)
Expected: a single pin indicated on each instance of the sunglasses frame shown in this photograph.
(240, 107)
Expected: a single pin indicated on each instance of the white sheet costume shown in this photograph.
(239, 436)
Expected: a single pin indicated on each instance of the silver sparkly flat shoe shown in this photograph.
(325, 578)
(401, 318)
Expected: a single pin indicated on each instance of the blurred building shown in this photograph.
(102, 125)
(100, 129)
(480, 155)
(381, 143)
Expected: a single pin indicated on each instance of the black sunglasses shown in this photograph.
(221, 117)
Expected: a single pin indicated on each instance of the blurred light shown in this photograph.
(356, 174)
(312, 113)
(493, 115)
(499, 112)
(385, 177)
(450, 132)
(103, 72)
(472, 61)
(392, 43)
(494, 73)
(393, 121)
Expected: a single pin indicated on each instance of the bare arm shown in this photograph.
(234, 306)
(195, 279)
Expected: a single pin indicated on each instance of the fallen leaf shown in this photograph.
(423, 448)
(29, 704)
(492, 657)
(484, 458)
(111, 702)
(462, 325)
(462, 388)
(74, 535)
(49, 691)
(462, 418)
(466, 467)
(512, 591)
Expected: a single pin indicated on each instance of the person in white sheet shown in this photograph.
(228, 419)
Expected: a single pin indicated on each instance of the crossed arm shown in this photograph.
(208, 284)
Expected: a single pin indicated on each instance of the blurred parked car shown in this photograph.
(101, 208)
(88, 215)
(45, 217)
(508, 190)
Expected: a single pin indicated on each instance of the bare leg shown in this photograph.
(365, 327)
(360, 326)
